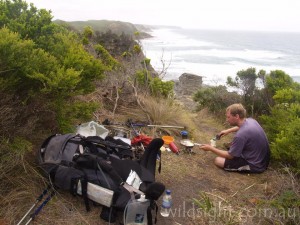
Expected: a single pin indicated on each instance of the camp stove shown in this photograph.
(188, 145)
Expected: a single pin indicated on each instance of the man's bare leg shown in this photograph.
(219, 162)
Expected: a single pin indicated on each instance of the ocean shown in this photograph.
(215, 55)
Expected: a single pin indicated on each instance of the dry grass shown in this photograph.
(19, 191)
(161, 112)
(223, 198)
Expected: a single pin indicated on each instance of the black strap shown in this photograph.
(159, 166)
(156, 210)
(149, 215)
(69, 137)
(110, 170)
(104, 176)
(74, 186)
(105, 166)
(52, 173)
(154, 206)
(84, 194)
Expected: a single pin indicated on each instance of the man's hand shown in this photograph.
(221, 153)
(228, 131)
(206, 147)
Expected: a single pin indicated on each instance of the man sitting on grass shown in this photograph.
(249, 151)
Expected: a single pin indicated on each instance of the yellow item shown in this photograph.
(167, 139)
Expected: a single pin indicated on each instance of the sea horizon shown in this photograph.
(217, 54)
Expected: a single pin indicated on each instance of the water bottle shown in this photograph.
(213, 142)
(174, 148)
(166, 204)
(136, 211)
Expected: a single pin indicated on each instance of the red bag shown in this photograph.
(144, 139)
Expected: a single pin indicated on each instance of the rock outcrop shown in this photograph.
(185, 87)
(188, 84)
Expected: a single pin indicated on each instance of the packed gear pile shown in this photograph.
(102, 170)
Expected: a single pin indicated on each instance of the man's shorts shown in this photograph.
(237, 165)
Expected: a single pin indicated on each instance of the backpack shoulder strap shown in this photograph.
(152, 206)
(111, 146)
(100, 164)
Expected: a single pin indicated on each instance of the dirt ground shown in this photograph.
(222, 197)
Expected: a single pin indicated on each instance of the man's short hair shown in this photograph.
(235, 109)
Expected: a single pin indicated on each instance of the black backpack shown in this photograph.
(98, 169)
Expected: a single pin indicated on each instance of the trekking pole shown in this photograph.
(37, 200)
(159, 126)
(36, 212)
(166, 126)
(135, 132)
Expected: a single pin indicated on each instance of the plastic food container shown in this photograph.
(167, 139)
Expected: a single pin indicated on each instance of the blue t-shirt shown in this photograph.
(251, 143)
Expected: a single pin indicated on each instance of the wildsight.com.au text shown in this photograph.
(220, 210)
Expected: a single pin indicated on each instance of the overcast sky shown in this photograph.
(262, 15)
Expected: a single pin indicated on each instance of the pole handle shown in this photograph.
(37, 200)
(36, 212)
(44, 193)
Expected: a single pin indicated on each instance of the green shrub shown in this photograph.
(137, 49)
(284, 207)
(286, 147)
(126, 54)
(161, 88)
(85, 41)
(287, 200)
(215, 98)
(45, 65)
(158, 87)
(73, 113)
(142, 77)
(146, 62)
(283, 131)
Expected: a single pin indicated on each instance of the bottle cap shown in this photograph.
(184, 132)
(168, 192)
(142, 198)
